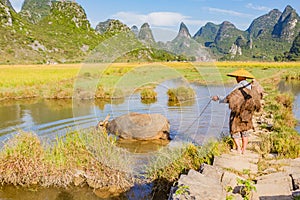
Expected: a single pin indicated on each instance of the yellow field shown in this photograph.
(57, 81)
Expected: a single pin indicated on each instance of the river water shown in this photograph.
(50, 118)
(194, 120)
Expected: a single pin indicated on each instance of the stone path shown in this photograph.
(230, 175)
(280, 181)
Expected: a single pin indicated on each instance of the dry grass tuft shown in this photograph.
(87, 157)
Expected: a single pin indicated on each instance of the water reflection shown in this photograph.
(148, 101)
(142, 146)
(76, 193)
(49, 118)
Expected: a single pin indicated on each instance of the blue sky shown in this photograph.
(164, 16)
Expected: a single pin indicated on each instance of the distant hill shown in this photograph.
(266, 37)
(63, 35)
(52, 31)
(294, 53)
(264, 25)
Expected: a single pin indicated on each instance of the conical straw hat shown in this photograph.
(242, 73)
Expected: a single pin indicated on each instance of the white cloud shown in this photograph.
(163, 34)
(228, 12)
(17, 4)
(165, 18)
(160, 19)
(163, 24)
(255, 7)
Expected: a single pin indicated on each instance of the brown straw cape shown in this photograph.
(242, 73)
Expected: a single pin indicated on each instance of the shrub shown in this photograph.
(148, 93)
(181, 94)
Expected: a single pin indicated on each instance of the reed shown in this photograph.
(88, 156)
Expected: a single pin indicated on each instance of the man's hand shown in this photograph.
(215, 98)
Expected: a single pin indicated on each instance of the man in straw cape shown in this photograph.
(243, 100)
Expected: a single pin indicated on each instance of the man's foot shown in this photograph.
(238, 151)
(243, 151)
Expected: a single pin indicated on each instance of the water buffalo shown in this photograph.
(136, 126)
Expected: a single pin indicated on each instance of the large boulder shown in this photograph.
(136, 126)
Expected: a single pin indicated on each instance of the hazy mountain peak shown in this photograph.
(288, 9)
(145, 34)
(227, 24)
(112, 27)
(103, 26)
(183, 31)
(135, 30)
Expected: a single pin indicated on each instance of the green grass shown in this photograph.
(283, 140)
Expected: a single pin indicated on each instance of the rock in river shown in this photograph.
(136, 126)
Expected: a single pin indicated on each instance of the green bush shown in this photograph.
(181, 94)
(148, 93)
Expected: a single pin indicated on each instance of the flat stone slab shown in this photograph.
(238, 162)
(199, 187)
(212, 172)
(274, 186)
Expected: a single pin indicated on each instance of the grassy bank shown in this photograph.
(283, 139)
(105, 81)
(87, 157)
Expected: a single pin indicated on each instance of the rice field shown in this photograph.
(64, 80)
